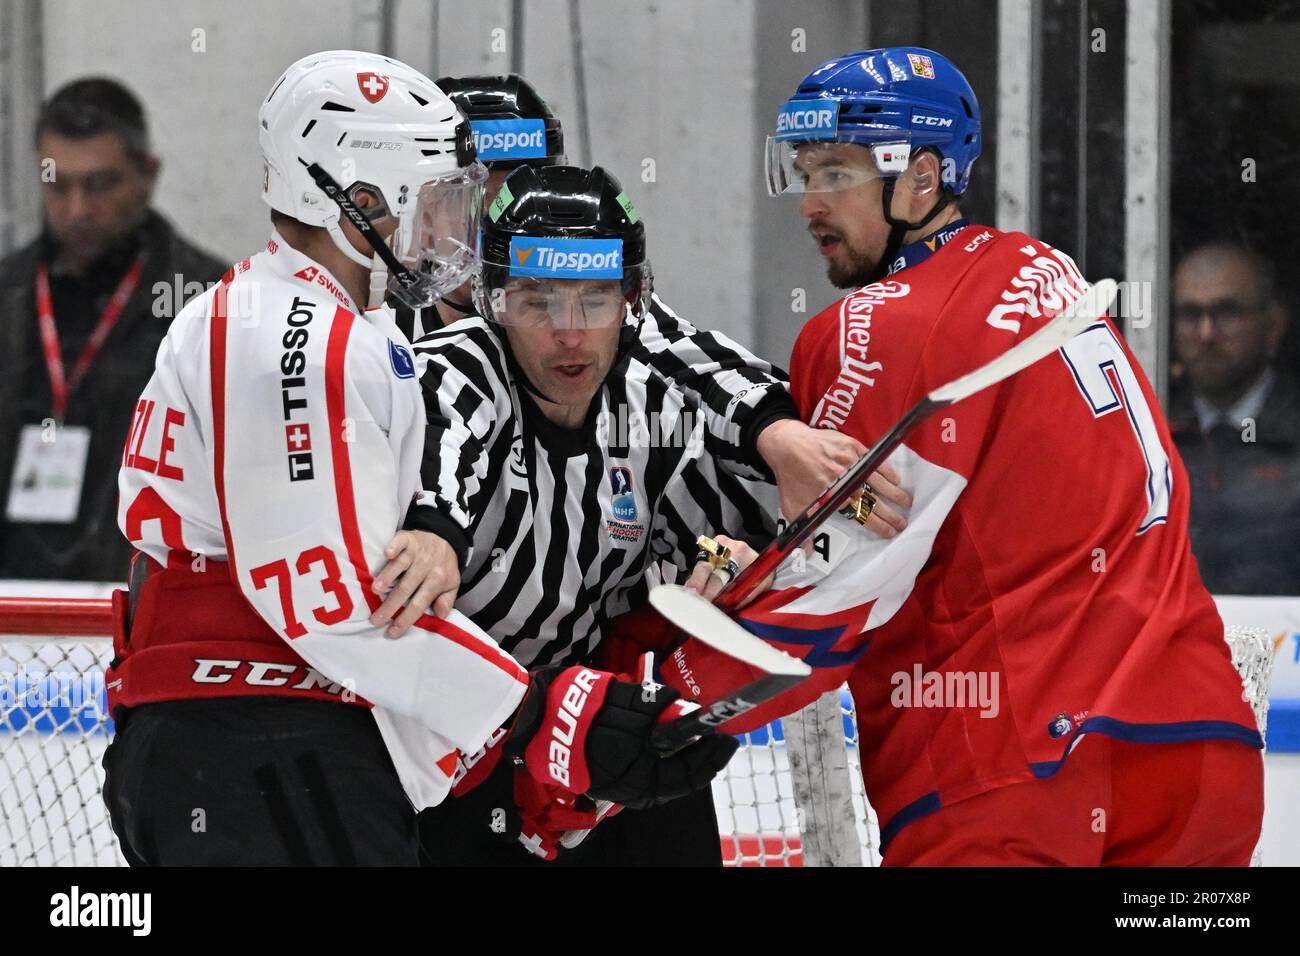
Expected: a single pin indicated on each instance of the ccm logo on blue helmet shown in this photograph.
(556, 258)
(509, 139)
(920, 119)
(807, 119)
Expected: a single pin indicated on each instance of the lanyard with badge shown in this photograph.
(50, 466)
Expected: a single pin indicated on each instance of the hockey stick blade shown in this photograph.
(693, 614)
(1063, 327)
(696, 615)
(1077, 316)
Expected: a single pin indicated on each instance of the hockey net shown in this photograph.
(792, 795)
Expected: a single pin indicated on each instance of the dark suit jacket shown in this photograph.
(1245, 519)
(92, 547)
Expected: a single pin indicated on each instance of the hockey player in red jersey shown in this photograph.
(1039, 674)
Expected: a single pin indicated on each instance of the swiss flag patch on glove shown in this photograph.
(546, 814)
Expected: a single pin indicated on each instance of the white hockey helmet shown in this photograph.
(340, 121)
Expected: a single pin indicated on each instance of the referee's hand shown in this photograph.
(421, 571)
(707, 581)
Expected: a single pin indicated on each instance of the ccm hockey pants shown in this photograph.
(256, 781)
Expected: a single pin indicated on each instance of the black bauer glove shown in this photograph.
(588, 732)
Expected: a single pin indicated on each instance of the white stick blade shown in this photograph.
(1079, 315)
(702, 620)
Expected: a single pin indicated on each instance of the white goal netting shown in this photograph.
(792, 795)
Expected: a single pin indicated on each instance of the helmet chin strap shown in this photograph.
(900, 228)
(378, 283)
(409, 286)
(462, 309)
(341, 241)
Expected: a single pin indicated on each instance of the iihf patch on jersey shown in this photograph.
(622, 500)
(622, 524)
(400, 359)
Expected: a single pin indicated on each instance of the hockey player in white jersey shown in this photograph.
(273, 458)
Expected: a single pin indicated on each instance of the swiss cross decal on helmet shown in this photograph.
(342, 123)
(893, 102)
(373, 86)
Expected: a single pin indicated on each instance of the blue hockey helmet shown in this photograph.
(895, 102)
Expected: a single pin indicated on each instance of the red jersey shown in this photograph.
(1044, 587)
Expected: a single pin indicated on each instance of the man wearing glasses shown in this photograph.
(1236, 422)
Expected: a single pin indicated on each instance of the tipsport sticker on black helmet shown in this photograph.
(509, 139)
(555, 258)
(807, 119)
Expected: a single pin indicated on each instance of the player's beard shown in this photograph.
(852, 268)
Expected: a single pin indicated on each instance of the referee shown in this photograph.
(570, 476)
(747, 410)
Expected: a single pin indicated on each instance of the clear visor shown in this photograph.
(798, 166)
(439, 244)
(557, 303)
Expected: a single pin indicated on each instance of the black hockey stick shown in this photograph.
(688, 616)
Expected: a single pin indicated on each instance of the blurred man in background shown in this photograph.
(1236, 422)
(83, 309)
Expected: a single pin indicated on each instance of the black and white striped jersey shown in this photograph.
(737, 392)
(568, 528)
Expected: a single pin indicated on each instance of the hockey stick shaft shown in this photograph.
(668, 738)
(1082, 312)
(745, 584)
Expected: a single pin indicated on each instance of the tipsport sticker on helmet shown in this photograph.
(509, 139)
(555, 258)
(808, 119)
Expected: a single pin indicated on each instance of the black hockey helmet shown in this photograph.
(554, 225)
(511, 124)
(563, 247)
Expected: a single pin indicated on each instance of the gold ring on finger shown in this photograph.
(717, 554)
(861, 505)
